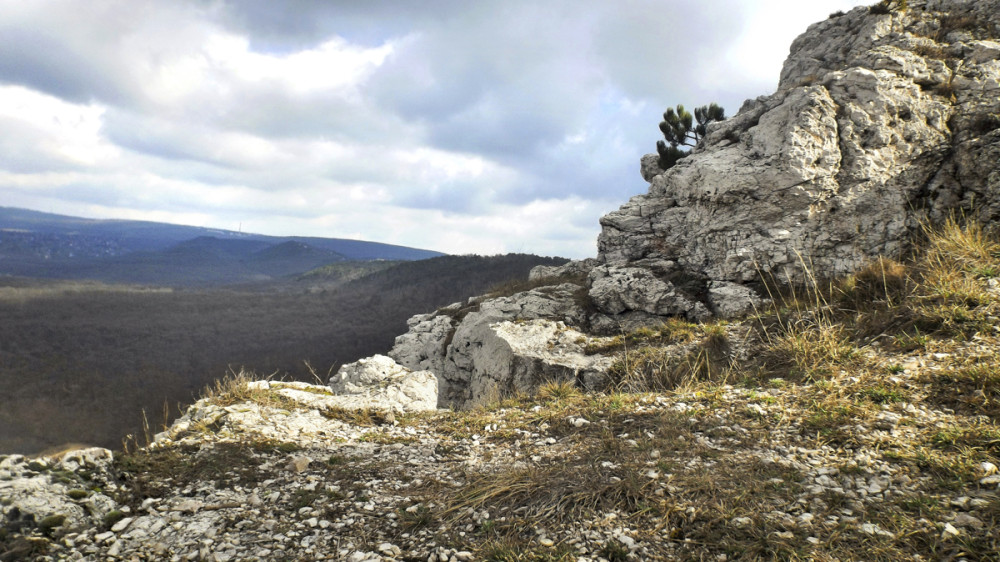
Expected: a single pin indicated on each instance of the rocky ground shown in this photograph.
(715, 471)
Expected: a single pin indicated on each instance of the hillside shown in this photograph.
(79, 361)
(34, 244)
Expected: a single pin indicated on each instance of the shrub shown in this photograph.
(955, 22)
(888, 7)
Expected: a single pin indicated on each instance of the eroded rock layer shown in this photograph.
(880, 122)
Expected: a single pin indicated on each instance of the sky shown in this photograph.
(480, 127)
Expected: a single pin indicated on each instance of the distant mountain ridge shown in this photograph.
(37, 244)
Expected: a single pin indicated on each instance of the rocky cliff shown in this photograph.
(881, 123)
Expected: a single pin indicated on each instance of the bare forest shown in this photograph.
(81, 361)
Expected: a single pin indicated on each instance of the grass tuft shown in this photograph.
(557, 391)
(235, 388)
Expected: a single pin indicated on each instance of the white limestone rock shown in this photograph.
(615, 290)
(879, 123)
(453, 353)
(649, 167)
(379, 382)
(518, 357)
(731, 300)
(569, 269)
(36, 489)
(424, 345)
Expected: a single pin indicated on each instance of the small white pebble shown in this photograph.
(949, 532)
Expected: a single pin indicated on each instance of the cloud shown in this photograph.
(459, 126)
(43, 133)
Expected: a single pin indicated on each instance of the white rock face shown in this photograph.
(36, 489)
(423, 346)
(615, 290)
(474, 361)
(521, 356)
(729, 300)
(569, 269)
(879, 122)
(379, 382)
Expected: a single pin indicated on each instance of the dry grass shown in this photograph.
(673, 330)
(363, 417)
(955, 22)
(670, 356)
(958, 251)
(557, 391)
(833, 354)
(883, 280)
(808, 349)
(515, 286)
(942, 292)
(235, 388)
(971, 387)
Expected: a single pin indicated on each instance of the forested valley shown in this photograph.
(81, 361)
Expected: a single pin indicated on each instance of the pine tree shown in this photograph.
(679, 129)
(887, 7)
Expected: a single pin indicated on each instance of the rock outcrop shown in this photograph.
(380, 383)
(71, 492)
(880, 123)
(267, 475)
(490, 347)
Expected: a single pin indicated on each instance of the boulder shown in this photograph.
(380, 383)
(570, 269)
(518, 357)
(56, 496)
(649, 167)
(423, 347)
(452, 341)
(615, 290)
(731, 300)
